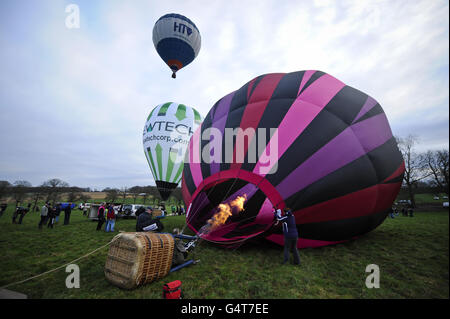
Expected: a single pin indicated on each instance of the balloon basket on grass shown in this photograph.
(139, 258)
(135, 259)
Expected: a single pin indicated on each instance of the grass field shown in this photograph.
(412, 254)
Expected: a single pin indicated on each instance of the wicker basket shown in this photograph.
(135, 259)
(157, 212)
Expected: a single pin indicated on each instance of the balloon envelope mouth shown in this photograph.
(175, 65)
(255, 218)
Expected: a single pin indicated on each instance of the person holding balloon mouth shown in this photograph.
(290, 234)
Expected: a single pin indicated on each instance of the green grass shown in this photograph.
(429, 199)
(412, 254)
(425, 199)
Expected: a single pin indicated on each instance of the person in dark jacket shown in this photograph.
(16, 213)
(3, 207)
(57, 212)
(67, 212)
(22, 211)
(290, 235)
(101, 216)
(51, 216)
(145, 221)
(404, 212)
(410, 211)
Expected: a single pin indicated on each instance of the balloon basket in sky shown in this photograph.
(302, 140)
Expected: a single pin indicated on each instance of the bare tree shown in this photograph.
(54, 188)
(38, 194)
(123, 192)
(73, 196)
(135, 191)
(145, 194)
(414, 167)
(437, 162)
(178, 196)
(84, 198)
(152, 191)
(20, 191)
(112, 194)
(5, 188)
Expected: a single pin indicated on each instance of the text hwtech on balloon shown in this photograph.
(232, 147)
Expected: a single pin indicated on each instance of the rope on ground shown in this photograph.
(57, 268)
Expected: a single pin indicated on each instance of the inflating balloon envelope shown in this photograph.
(302, 140)
(166, 135)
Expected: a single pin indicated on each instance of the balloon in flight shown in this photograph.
(177, 40)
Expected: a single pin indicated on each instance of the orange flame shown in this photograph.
(239, 203)
(226, 210)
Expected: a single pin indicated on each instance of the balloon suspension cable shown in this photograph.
(194, 213)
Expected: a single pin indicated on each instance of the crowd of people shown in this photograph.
(50, 214)
(106, 213)
(178, 210)
(407, 210)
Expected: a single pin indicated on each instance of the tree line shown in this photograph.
(54, 190)
(143, 192)
(427, 169)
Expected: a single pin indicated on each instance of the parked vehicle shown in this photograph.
(83, 205)
(129, 210)
(445, 204)
(64, 205)
(404, 201)
(93, 211)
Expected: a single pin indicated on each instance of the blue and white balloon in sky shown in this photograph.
(177, 40)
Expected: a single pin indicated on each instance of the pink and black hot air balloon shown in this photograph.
(337, 164)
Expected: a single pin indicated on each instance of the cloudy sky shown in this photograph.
(74, 101)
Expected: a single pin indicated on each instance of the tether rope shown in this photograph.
(57, 268)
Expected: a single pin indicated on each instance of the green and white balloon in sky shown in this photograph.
(166, 136)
